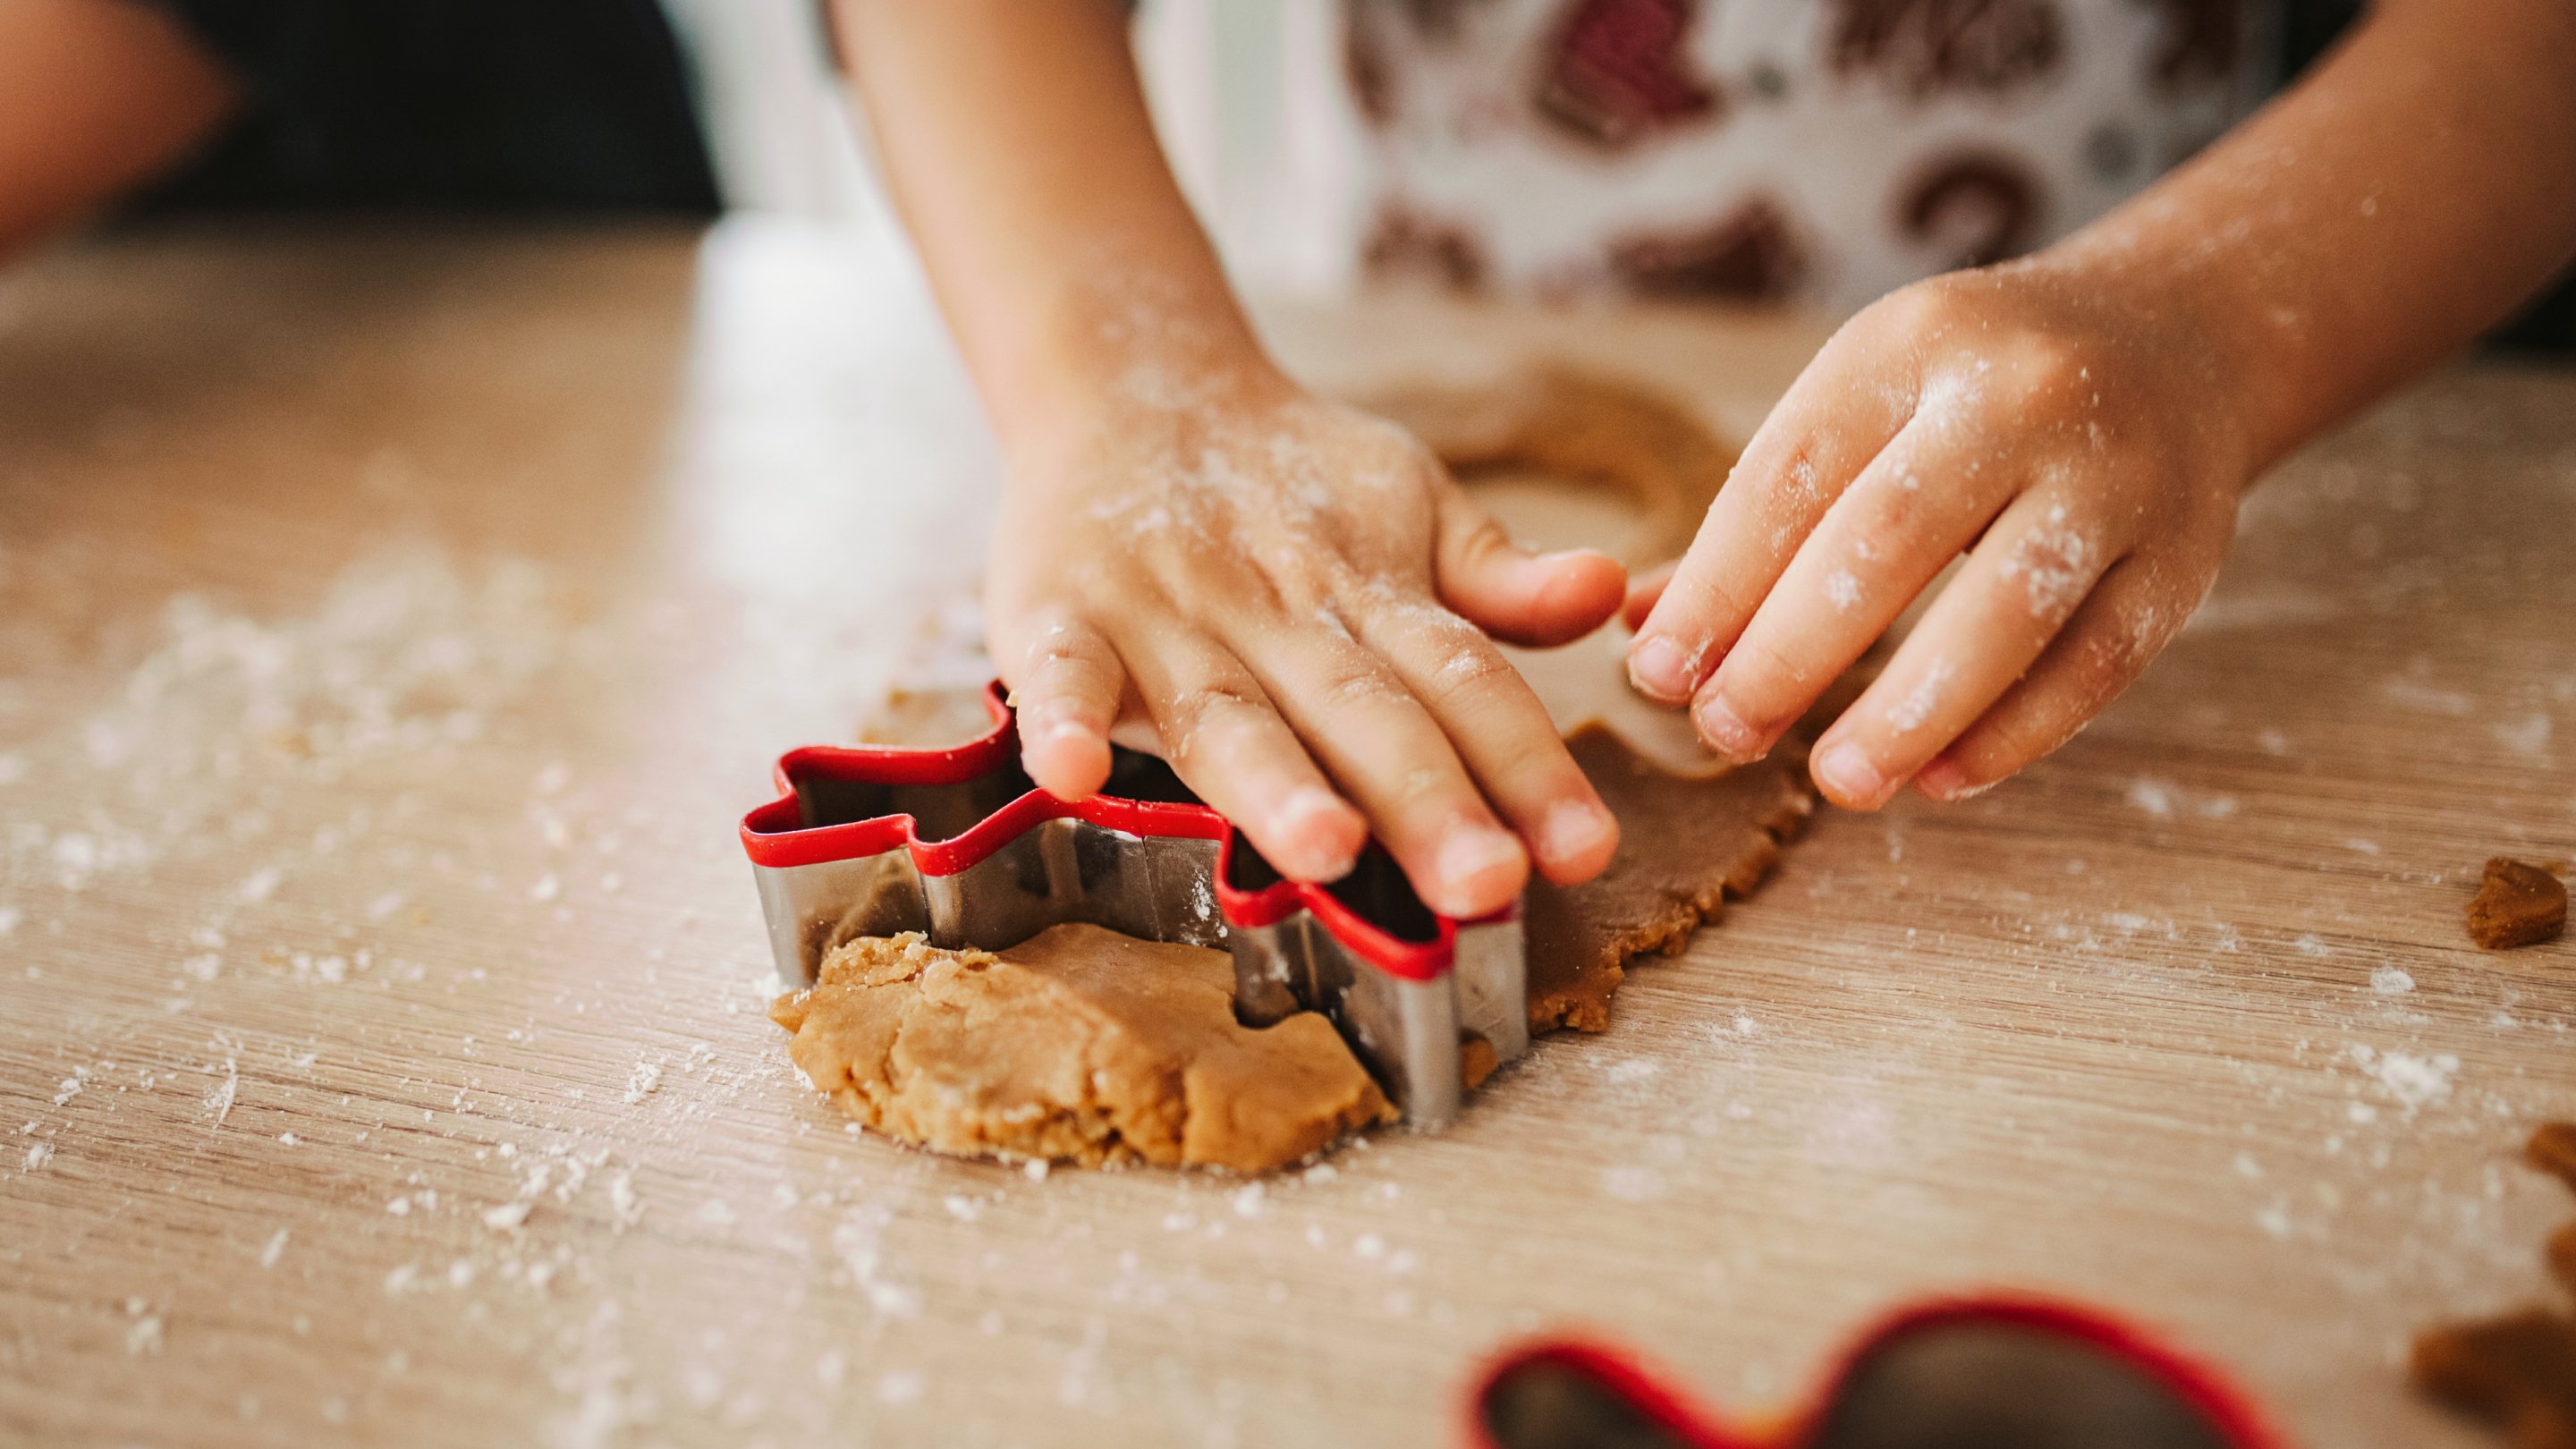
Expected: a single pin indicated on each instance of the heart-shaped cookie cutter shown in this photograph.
(2009, 1370)
(958, 844)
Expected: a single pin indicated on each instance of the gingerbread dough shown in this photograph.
(2517, 1371)
(1684, 846)
(1543, 428)
(1079, 1044)
(1088, 1046)
(2518, 905)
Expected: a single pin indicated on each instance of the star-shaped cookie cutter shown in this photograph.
(958, 844)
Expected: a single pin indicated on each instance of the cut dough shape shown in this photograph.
(2517, 905)
(1567, 459)
(1684, 846)
(1539, 430)
(1584, 686)
(1080, 1044)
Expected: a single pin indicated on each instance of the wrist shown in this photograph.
(1118, 352)
(2190, 343)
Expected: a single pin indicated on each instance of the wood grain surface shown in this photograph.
(392, 629)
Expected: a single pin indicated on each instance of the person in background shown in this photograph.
(1290, 600)
(574, 106)
(2106, 299)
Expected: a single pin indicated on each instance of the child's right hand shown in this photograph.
(1289, 601)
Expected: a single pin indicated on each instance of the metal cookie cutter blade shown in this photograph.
(958, 844)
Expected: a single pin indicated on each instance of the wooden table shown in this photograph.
(392, 629)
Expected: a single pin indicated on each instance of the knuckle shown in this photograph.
(2006, 742)
(1063, 648)
(1195, 718)
(1714, 605)
(2104, 667)
(1355, 686)
(1790, 486)
(1762, 677)
(1482, 540)
(1472, 674)
(1890, 513)
(2048, 571)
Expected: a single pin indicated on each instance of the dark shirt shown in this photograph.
(448, 105)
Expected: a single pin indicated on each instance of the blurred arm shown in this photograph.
(1015, 140)
(96, 97)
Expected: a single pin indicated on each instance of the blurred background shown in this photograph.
(1972, 132)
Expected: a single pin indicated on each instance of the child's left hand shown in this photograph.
(2077, 440)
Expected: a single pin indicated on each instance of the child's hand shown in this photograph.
(1284, 598)
(2077, 444)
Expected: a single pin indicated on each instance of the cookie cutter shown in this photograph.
(1995, 1368)
(961, 846)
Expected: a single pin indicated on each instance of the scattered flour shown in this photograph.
(219, 1102)
(2527, 737)
(1633, 1184)
(1912, 712)
(2414, 1081)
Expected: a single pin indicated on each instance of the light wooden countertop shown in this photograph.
(392, 631)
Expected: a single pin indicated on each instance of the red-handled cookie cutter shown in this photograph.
(960, 845)
(2002, 1371)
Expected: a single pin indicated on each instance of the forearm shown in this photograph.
(96, 96)
(1016, 143)
(2375, 219)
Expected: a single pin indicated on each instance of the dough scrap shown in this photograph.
(1685, 845)
(2517, 1371)
(2552, 1150)
(2518, 905)
(1080, 1045)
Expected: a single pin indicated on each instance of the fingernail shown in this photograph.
(1661, 669)
(1725, 731)
(1945, 781)
(1574, 829)
(1845, 771)
(1055, 730)
(1309, 815)
(1474, 855)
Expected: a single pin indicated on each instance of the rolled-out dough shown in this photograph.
(1540, 429)
(1087, 1046)
(1081, 1045)
(1685, 845)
